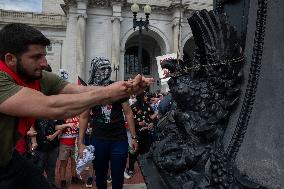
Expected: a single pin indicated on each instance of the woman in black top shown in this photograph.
(111, 144)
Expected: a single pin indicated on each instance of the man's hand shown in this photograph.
(34, 145)
(50, 137)
(150, 126)
(122, 89)
(134, 144)
(31, 133)
(70, 125)
(139, 84)
(81, 149)
(118, 90)
(141, 123)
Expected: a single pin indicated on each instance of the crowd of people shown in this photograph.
(44, 119)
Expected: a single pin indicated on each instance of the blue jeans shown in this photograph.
(115, 153)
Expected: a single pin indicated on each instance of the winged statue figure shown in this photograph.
(189, 152)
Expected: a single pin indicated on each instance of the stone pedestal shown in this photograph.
(261, 154)
(254, 157)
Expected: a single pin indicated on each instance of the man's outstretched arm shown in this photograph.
(31, 103)
(138, 85)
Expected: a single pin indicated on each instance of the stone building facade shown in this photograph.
(52, 25)
(91, 28)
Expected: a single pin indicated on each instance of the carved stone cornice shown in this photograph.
(175, 22)
(99, 3)
(105, 3)
(198, 5)
(116, 18)
(56, 41)
(157, 9)
(35, 19)
(160, 9)
(178, 5)
(67, 4)
(70, 2)
(117, 2)
(82, 15)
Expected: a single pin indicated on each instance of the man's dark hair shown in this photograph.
(15, 38)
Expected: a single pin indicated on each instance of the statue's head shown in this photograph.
(100, 72)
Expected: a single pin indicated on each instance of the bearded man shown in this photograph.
(27, 92)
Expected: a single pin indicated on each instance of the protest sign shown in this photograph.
(164, 73)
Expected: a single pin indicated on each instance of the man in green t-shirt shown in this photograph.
(27, 92)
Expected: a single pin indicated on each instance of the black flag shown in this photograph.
(81, 81)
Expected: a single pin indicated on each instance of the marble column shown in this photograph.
(81, 45)
(81, 37)
(69, 45)
(56, 62)
(121, 65)
(176, 32)
(115, 45)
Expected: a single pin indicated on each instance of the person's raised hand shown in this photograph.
(31, 133)
(119, 90)
(141, 123)
(34, 145)
(50, 137)
(122, 89)
(150, 126)
(139, 84)
(134, 144)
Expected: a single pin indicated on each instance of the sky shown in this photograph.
(22, 5)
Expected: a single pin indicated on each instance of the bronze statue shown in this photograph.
(190, 153)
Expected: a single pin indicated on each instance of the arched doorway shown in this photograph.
(150, 50)
(131, 63)
(188, 49)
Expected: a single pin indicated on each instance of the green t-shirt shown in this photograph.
(50, 84)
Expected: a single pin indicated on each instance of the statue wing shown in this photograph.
(217, 42)
(209, 87)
